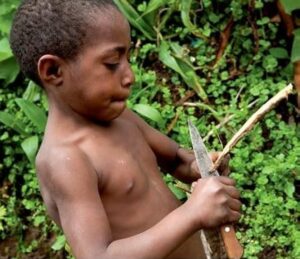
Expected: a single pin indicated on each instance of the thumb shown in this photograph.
(194, 168)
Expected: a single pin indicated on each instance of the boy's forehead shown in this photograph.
(110, 27)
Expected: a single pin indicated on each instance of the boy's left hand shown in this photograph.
(223, 168)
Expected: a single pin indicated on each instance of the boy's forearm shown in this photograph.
(156, 242)
(183, 169)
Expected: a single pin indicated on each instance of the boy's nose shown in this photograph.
(128, 78)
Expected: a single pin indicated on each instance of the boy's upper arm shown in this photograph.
(164, 148)
(73, 185)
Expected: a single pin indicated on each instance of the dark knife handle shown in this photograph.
(233, 248)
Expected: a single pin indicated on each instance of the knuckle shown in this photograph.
(218, 189)
(224, 200)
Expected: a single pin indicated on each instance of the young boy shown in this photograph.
(98, 165)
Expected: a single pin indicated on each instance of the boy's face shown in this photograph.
(97, 83)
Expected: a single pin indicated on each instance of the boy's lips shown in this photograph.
(121, 98)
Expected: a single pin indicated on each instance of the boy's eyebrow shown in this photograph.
(120, 49)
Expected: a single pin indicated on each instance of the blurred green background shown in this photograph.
(215, 62)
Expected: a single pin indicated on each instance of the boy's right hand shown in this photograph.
(214, 201)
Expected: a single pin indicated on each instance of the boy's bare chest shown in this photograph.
(122, 159)
(130, 181)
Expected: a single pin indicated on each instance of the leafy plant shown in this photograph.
(214, 62)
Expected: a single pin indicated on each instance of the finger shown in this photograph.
(226, 180)
(194, 168)
(225, 171)
(224, 166)
(232, 192)
(193, 186)
(234, 216)
(235, 205)
(214, 156)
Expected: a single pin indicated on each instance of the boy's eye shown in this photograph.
(112, 66)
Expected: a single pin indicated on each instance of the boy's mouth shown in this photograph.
(120, 98)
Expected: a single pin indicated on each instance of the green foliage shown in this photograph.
(135, 19)
(180, 62)
(150, 113)
(295, 56)
(35, 114)
(290, 5)
(178, 77)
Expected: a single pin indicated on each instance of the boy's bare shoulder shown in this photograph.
(59, 166)
(52, 156)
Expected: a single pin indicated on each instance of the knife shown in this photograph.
(232, 246)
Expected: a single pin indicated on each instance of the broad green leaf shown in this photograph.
(9, 70)
(29, 204)
(185, 17)
(30, 147)
(296, 33)
(289, 189)
(295, 55)
(135, 19)
(150, 113)
(36, 115)
(10, 121)
(7, 9)
(5, 51)
(279, 53)
(154, 5)
(182, 67)
(152, 9)
(59, 243)
(177, 192)
(192, 80)
(38, 220)
(32, 92)
(166, 57)
(181, 54)
(290, 5)
(5, 23)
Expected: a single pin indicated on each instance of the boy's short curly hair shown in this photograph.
(57, 27)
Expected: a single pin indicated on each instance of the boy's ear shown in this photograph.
(50, 70)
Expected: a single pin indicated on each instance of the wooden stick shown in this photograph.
(251, 12)
(225, 121)
(224, 39)
(257, 116)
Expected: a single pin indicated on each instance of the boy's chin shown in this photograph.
(118, 109)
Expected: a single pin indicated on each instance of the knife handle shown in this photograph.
(232, 246)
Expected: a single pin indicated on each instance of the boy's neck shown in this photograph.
(62, 116)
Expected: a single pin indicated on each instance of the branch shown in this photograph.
(173, 122)
(251, 7)
(225, 121)
(224, 39)
(250, 123)
(287, 19)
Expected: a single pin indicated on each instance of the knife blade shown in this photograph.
(232, 246)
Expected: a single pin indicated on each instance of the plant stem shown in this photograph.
(257, 116)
